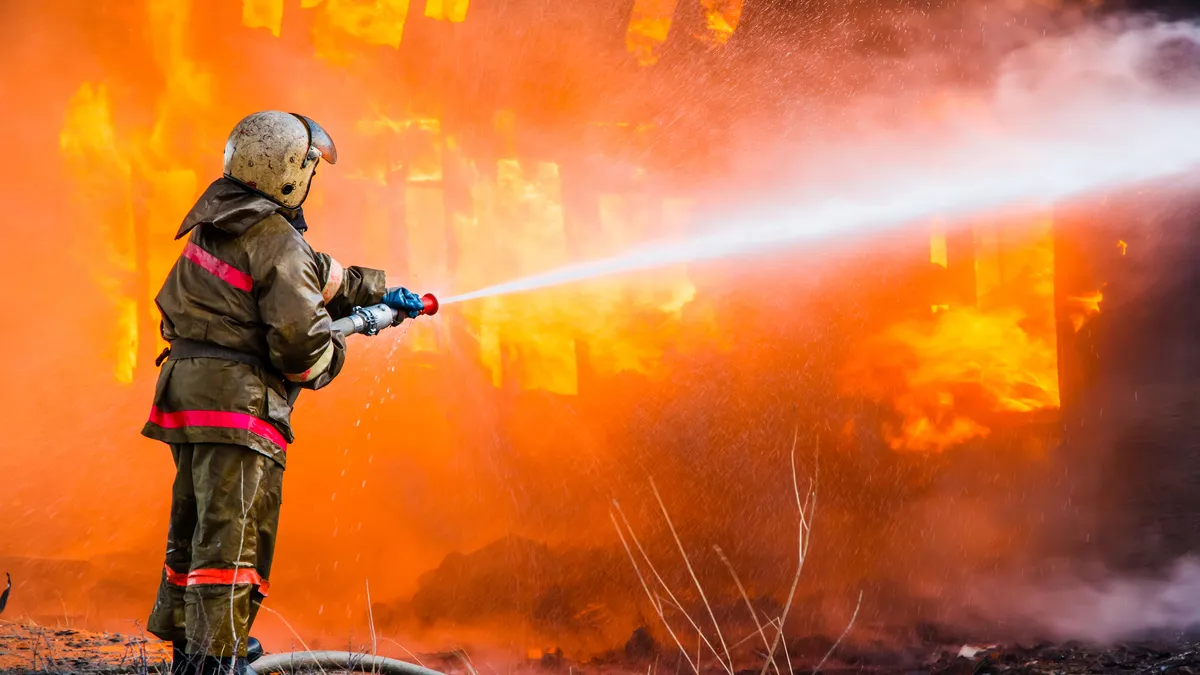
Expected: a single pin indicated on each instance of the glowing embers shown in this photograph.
(946, 376)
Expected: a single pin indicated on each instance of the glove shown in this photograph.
(404, 302)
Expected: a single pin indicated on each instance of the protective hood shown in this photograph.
(229, 207)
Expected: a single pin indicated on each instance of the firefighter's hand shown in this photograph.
(404, 301)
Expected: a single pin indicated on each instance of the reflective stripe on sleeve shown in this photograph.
(318, 368)
(334, 283)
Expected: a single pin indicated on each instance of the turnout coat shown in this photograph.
(247, 310)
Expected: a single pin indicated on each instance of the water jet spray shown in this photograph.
(1137, 146)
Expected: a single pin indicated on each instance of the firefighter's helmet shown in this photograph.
(276, 153)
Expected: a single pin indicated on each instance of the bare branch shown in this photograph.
(745, 597)
(415, 658)
(656, 604)
(670, 594)
(787, 656)
(371, 625)
(716, 626)
(802, 547)
(293, 632)
(842, 636)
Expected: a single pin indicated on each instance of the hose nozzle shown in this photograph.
(430, 304)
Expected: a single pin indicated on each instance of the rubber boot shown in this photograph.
(181, 663)
(226, 665)
(254, 650)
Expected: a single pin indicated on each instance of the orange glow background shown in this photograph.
(463, 466)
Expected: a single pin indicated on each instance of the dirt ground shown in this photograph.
(28, 648)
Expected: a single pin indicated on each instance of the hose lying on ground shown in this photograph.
(303, 662)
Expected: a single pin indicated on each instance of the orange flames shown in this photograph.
(947, 374)
(650, 25)
(88, 141)
(1084, 307)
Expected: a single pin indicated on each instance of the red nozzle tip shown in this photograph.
(430, 303)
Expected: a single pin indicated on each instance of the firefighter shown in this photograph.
(247, 313)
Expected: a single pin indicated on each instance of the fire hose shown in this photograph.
(371, 320)
(301, 662)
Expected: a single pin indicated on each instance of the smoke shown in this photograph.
(1102, 108)
(1098, 605)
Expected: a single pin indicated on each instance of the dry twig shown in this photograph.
(671, 595)
(371, 625)
(655, 603)
(745, 597)
(842, 636)
(695, 580)
(293, 632)
(806, 508)
(415, 658)
(804, 539)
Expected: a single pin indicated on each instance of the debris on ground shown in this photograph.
(1067, 658)
(26, 647)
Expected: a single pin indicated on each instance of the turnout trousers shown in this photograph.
(220, 545)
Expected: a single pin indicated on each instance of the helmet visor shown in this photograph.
(319, 140)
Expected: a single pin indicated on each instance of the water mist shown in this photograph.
(1098, 109)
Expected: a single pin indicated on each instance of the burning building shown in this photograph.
(952, 373)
